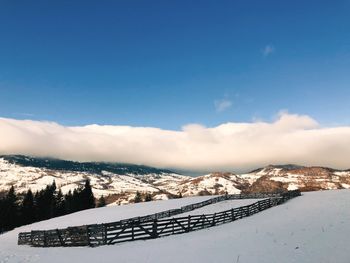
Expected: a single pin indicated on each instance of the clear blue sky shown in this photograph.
(166, 63)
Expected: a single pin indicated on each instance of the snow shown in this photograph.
(211, 183)
(161, 186)
(280, 179)
(23, 178)
(309, 229)
(342, 173)
(292, 186)
(274, 171)
(251, 177)
(160, 197)
(288, 179)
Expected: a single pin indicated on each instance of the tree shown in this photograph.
(53, 186)
(101, 202)
(27, 209)
(10, 213)
(88, 199)
(52, 199)
(68, 200)
(40, 205)
(138, 197)
(148, 197)
(60, 204)
(76, 204)
(44, 204)
(2, 208)
(45, 201)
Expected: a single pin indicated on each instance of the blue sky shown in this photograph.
(169, 63)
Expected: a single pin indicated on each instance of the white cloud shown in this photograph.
(26, 114)
(230, 146)
(268, 50)
(222, 105)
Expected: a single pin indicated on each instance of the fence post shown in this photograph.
(232, 215)
(60, 238)
(88, 235)
(172, 225)
(213, 224)
(104, 234)
(132, 231)
(154, 229)
(45, 241)
(189, 223)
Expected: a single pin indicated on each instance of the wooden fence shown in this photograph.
(152, 226)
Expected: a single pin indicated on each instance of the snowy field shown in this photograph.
(311, 228)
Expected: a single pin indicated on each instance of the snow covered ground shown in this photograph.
(311, 228)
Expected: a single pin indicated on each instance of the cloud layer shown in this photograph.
(268, 50)
(222, 105)
(230, 146)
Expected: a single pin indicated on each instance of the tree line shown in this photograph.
(146, 197)
(17, 210)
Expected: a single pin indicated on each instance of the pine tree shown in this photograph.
(10, 213)
(52, 199)
(88, 199)
(27, 209)
(46, 202)
(138, 197)
(60, 205)
(148, 197)
(68, 200)
(2, 208)
(101, 202)
(40, 204)
(53, 186)
(76, 204)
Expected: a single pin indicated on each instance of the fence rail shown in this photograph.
(152, 226)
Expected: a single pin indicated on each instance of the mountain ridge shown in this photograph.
(59, 164)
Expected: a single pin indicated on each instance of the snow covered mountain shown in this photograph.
(297, 177)
(120, 181)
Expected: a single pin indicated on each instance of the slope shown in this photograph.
(311, 228)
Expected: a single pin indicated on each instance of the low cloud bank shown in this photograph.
(228, 147)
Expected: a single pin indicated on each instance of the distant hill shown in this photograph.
(92, 167)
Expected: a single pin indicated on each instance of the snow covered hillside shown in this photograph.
(121, 181)
(311, 228)
(106, 179)
(293, 177)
